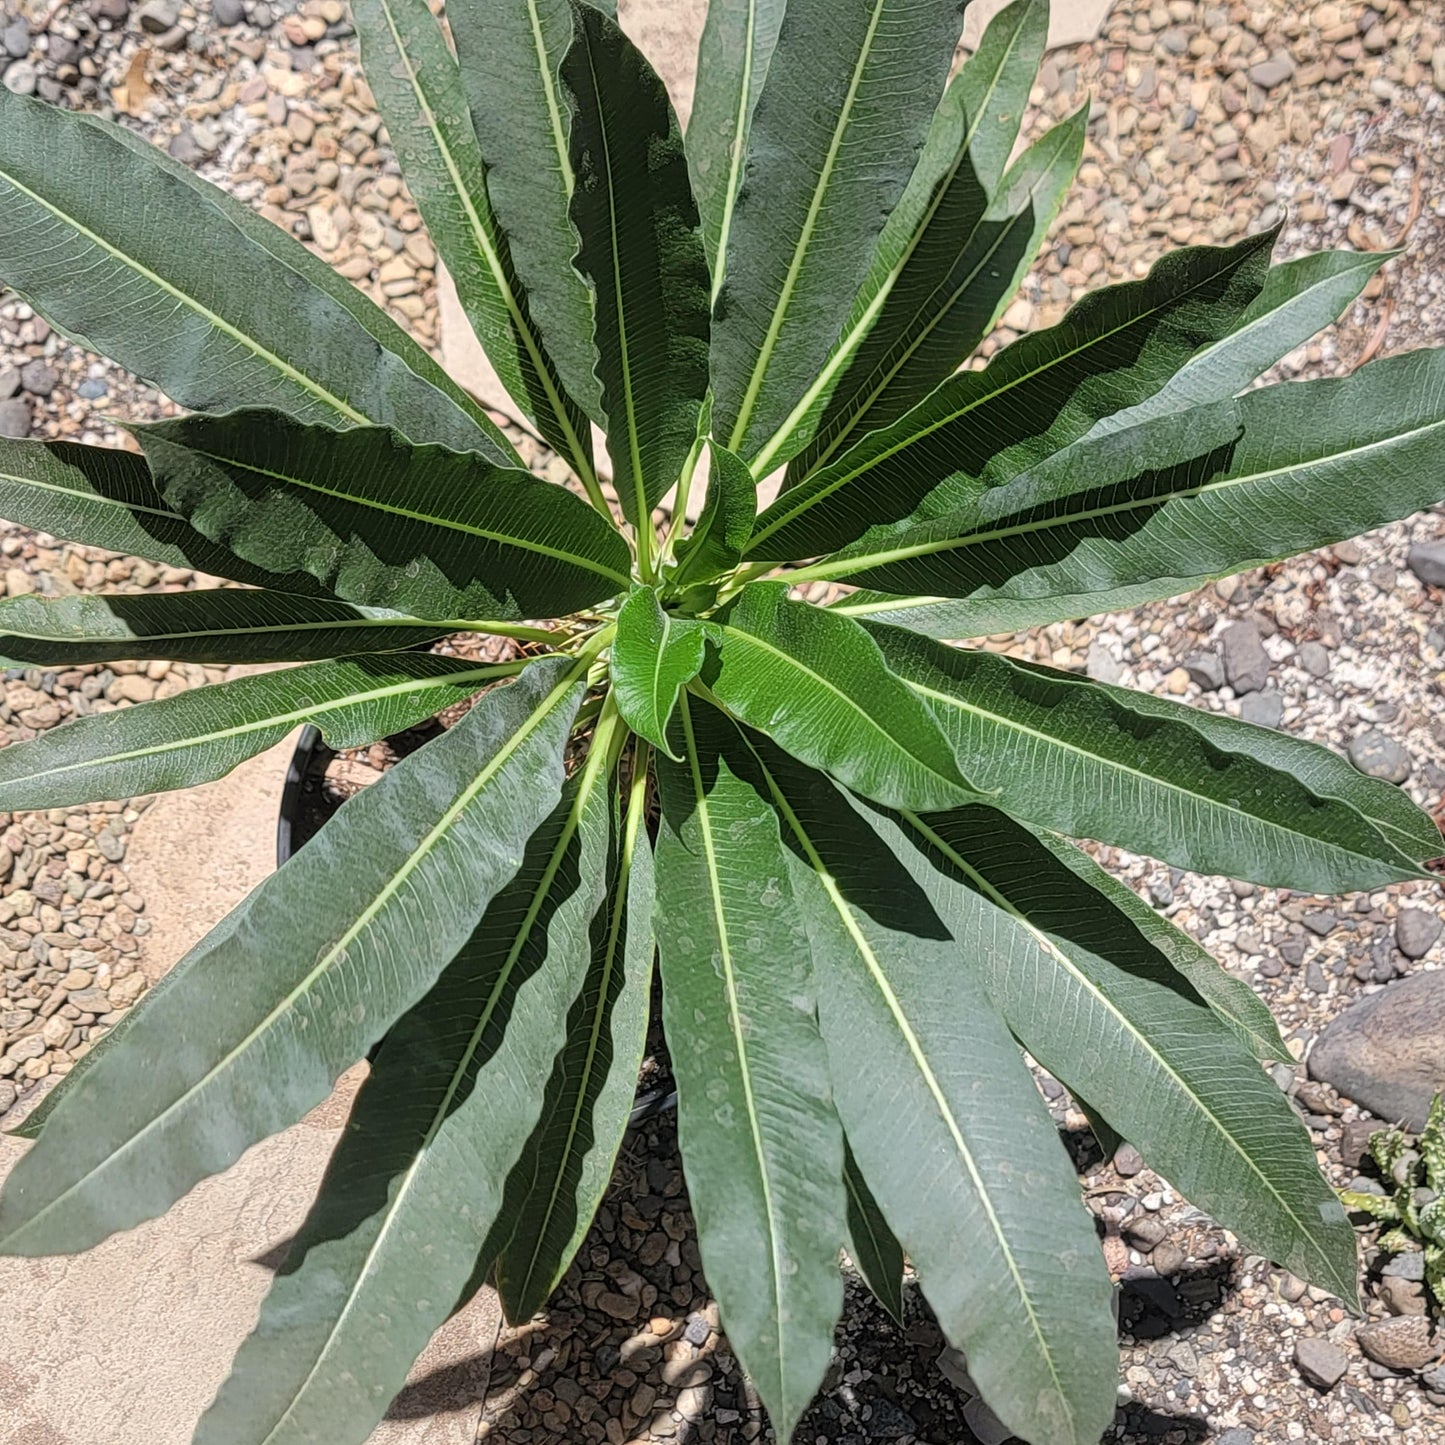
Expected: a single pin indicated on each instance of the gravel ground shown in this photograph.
(1209, 120)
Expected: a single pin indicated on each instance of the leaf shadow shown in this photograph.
(885, 1382)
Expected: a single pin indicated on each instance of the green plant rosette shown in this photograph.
(840, 839)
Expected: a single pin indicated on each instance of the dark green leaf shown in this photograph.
(1060, 751)
(725, 524)
(949, 293)
(1099, 1008)
(937, 220)
(310, 970)
(982, 428)
(1320, 769)
(817, 684)
(222, 626)
(870, 1243)
(939, 553)
(559, 1181)
(511, 52)
(761, 1145)
(844, 108)
(178, 742)
(732, 61)
(194, 291)
(104, 497)
(1299, 298)
(656, 654)
(1316, 462)
(418, 87)
(1231, 998)
(947, 1125)
(642, 252)
(378, 521)
(417, 1180)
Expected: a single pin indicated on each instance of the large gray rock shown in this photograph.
(1378, 756)
(15, 417)
(1387, 1052)
(1416, 931)
(1320, 1362)
(1427, 561)
(1404, 1342)
(1246, 663)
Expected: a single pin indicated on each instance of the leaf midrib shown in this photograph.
(848, 345)
(307, 383)
(737, 150)
(658, 656)
(821, 494)
(920, 1058)
(84, 639)
(635, 811)
(740, 1044)
(554, 109)
(959, 704)
(363, 921)
(1159, 501)
(282, 719)
(1047, 945)
(850, 703)
(1267, 319)
(410, 514)
(99, 499)
(805, 238)
(934, 317)
(585, 787)
(486, 245)
(643, 522)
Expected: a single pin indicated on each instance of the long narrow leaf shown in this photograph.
(418, 87)
(1059, 751)
(982, 428)
(761, 1144)
(818, 685)
(936, 551)
(949, 293)
(1246, 1014)
(845, 106)
(312, 968)
(558, 1183)
(197, 736)
(1316, 462)
(940, 212)
(1322, 770)
(444, 1114)
(732, 62)
(385, 523)
(641, 250)
(511, 52)
(945, 1121)
(104, 497)
(194, 291)
(1299, 299)
(222, 626)
(1102, 1012)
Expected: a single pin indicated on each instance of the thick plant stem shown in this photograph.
(680, 501)
(517, 631)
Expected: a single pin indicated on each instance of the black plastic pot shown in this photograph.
(298, 824)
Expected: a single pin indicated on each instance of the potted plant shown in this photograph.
(843, 840)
